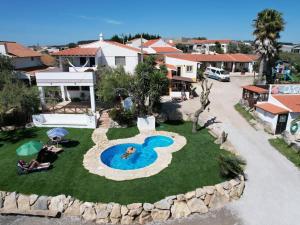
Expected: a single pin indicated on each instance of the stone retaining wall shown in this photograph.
(199, 201)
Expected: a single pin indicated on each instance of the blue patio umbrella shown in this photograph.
(57, 132)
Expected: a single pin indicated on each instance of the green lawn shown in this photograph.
(192, 167)
(285, 150)
(243, 112)
(116, 133)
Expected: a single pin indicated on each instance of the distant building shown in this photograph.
(206, 46)
(290, 48)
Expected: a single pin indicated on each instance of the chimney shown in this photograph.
(100, 37)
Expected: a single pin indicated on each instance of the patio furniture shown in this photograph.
(23, 169)
(54, 149)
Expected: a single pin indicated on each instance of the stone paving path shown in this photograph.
(104, 120)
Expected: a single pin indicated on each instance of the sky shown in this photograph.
(60, 21)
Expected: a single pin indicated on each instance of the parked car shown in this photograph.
(217, 73)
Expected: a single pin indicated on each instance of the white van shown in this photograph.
(217, 73)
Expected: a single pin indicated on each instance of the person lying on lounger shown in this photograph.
(32, 166)
(129, 151)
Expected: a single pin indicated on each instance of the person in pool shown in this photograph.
(129, 151)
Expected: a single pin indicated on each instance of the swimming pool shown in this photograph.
(143, 156)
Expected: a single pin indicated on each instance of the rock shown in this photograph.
(10, 201)
(127, 220)
(102, 221)
(180, 197)
(89, 214)
(102, 211)
(59, 203)
(162, 204)
(196, 205)
(41, 203)
(160, 215)
(23, 202)
(207, 199)
(124, 210)
(148, 206)
(190, 195)
(240, 188)
(209, 189)
(114, 220)
(32, 199)
(219, 188)
(116, 211)
(234, 182)
(1, 202)
(73, 209)
(2, 194)
(180, 209)
(134, 206)
(145, 217)
(135, 212)
(226, 185)
(171, 199)
(218, 200)
(200, 192)
(84, 206)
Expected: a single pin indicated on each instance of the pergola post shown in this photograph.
(63, 92)
(42, 96)
(92, 98)
(233, 67)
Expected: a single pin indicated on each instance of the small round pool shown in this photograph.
(143, 156)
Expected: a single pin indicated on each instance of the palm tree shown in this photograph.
(267, 27)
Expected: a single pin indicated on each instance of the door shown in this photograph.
(179, 71)
(281, 123)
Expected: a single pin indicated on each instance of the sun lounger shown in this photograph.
(24, 170)
(54, 149)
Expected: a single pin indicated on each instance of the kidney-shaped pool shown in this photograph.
(143, 156)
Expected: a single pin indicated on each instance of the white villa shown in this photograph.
(99, 53)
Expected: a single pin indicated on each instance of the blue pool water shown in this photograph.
(142, 157)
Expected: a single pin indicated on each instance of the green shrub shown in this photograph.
(231, 166)
(121, 116)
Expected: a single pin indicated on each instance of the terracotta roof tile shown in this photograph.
(77, 52)
(269, 107)
(255, 89)
(166, 49)
(150, 42)
(213, 58)
(18, 50)
(290, 101)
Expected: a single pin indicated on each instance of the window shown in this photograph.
(189, 69)
(82, 60)
(92, 61)
(73, 88)
(85, 88)
(31, 58)
(120, 61)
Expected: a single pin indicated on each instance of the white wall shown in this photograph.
(2, 49)
(160, 43)
(183, 63)
(136, 43)
(65, 120)
(26, 62)
(268, 117)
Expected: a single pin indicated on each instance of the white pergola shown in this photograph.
(64, 79)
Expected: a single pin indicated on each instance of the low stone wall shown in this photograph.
(199, 201)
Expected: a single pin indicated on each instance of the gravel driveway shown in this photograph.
(272, 194)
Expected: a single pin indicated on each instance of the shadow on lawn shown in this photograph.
(208, 123)
(16, 135)
(70, 144)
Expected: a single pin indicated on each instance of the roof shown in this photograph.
(18, 50)
(186, 79)
(77, 52)
(213, 58)
(166, 49)
(123, 46)
(255, 89)
(170, 67)
(195, 41)
(33, 70)
(150, 42)
(290, 101)
(269, 107)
